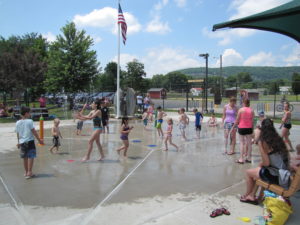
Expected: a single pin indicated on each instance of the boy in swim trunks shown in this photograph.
(160, 115)
(25, 134)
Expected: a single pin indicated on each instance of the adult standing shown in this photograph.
(139, 102)
(105, 116)
(42, 101)
(229, 116)
(286, 125)
(94, 115)
(274, 156)
(244, 121)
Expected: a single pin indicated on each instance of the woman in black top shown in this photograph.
(95, 115)
(275, 157)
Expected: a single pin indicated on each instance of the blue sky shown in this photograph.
(165, 35)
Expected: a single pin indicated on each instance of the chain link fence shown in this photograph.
(264, 96)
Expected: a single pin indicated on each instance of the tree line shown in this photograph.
(31, 66)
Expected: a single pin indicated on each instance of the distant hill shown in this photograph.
(260, 73)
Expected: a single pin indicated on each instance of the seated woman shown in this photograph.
(274, 156)
(295, 161)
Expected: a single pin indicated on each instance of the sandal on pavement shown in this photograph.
(244, 200)
(216, 212)
(239, 162)
(231, 153)
(225, 211)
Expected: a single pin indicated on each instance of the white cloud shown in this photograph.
(124, 59)
(231, 57)
(293, 59)
(165, 59)
(227, 36)
(241, 9)
(261, 59)
(160, 5)
(180, 3)
(107, 18)
(157, 26)
(162, 60)
(96, 39)
(249, 7)
(49, 36)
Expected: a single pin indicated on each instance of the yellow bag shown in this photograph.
(278, 209)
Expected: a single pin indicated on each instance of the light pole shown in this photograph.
(221, 75)
(205, 56)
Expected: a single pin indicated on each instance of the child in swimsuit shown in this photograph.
(212, 122)
(183, 121)
(160, 115)
(145, 118)
(94, 115)
(150, 112)
(125, 130)
(56, 135)
(168, 136)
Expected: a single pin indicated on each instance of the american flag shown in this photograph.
(121, 20)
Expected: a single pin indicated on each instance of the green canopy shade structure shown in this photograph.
(284, 19)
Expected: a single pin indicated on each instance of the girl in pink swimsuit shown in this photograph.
(245, 129)
(168, 136)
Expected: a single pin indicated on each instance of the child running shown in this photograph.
(183, 121)
(198, 121)
(94, 115)
(160, 115)
(56, 135)
(145, 118)
(169, 135)
(25, 134)
(125, 130)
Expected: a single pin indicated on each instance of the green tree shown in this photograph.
(231, 81)
(274, 86)
(158, 81)
(134, 75)
(176, 81)
(71, 65)
(244, 77)
(111, 71)
(22, 63)
(296, 84)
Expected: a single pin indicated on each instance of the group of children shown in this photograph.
(183, 122)
(99, 115)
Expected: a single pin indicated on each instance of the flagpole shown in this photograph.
(118, 70)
